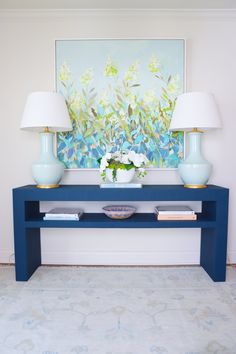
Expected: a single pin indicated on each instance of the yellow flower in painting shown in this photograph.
(122, 113)
(131, 99)
(87, 77)
(104, 99)
(64, 73)
(132, 73)
(77, 101)
(154, 64)
(110, 69)
(173, 85)
(150, 97)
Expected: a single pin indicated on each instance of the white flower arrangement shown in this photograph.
(125, 161)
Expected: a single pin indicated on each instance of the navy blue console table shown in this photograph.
(28, 220)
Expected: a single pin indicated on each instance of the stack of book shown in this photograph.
(175, 212)
(63, 214)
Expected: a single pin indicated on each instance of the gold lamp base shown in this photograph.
(195, 186)
(47, 186)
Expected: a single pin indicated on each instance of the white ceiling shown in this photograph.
(117, 4)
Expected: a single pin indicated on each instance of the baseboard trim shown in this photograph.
(119, 258)
(7, 257)
(110, 265)
(98, 12)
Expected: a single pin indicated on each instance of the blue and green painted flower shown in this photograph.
(113, 108)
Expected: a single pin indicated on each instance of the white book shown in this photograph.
(174, 210)
(61, 218)
(121, 185)
(64, 212)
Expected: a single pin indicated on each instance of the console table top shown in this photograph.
(168, 192)
(164, 187)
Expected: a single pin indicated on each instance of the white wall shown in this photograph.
(27, 64)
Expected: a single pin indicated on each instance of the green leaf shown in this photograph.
(116, 164)
(89, 132)
(130, 111)
(119, 98)
(94, 112)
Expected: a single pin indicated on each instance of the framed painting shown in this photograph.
(120, 95)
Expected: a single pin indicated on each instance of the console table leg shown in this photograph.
(27, 253)
(214, 241)
(27, 241)
(213, 253)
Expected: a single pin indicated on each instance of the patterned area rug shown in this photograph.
(79, 310)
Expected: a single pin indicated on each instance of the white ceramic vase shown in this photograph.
(122, 176)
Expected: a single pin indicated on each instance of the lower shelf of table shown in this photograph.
(139, 220)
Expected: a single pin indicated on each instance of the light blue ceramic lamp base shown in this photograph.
(48, 171)
(195, 170)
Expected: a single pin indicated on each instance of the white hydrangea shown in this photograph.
(139, 161)
(108, 156)
(125, 159)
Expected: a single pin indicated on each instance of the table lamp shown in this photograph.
(195, 112)
(47, 113)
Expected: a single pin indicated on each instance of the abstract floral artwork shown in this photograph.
(120, 95)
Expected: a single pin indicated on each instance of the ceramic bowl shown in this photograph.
(119, 211)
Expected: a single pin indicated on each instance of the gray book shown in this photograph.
(174, 210)
(60, 213)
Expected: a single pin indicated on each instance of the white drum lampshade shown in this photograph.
(195, 112)
(47, 113)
